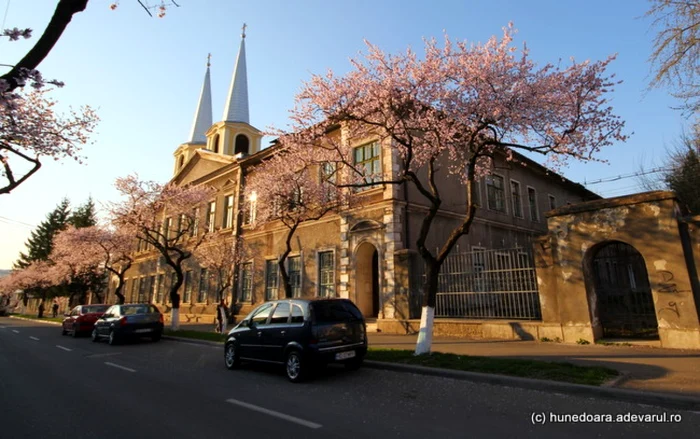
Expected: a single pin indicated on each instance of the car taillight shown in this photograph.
(122, 321)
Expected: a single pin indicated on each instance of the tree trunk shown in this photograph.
(283, 270)
(118, 290)
(425, 333)
(175, 300)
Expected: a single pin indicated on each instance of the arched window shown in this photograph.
(215, 144)
(242, 144)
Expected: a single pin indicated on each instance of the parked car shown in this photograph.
(300, 334)
(132, 320)
(82, 318)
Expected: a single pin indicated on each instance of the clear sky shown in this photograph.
(144, 75)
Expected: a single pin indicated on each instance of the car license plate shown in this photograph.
(139, 331)
(344, 355)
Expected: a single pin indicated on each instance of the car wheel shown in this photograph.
(231, 356)
(295, 367)
(113, 338)
(354, 364)
(156, 336)
(76, 334)
(94, 335)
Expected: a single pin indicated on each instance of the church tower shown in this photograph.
(234, 136)
(200, 125)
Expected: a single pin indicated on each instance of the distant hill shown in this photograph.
(4, 273)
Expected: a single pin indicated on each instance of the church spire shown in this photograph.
(236, 109)
(202, 117)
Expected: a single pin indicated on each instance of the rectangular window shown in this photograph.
(495, 193)
(151, 285)
(167, 228)
(477, 192)
(211, 216)
(228, 212)
(246, 281)
(552, 202)
(187, 297)
(367, 161)
(134, 289)
(478, 267)
(271, 279)
(251, 206)
(195, 223)
(326, 274)
(203, 286)
(328, 179)
(532, 201)
(160, 288)
(294, 271)
(515, 198)
(143, 285)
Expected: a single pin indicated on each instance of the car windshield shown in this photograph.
(137, 309)
(335, 311)
(94, 309)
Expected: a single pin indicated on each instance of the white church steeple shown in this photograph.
(236, 109)
(202, 117)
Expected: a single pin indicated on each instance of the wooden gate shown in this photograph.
(625, 303)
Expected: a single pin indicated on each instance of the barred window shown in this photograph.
(187, 297)
(294, 271)
(246, 282)
(203, 286)
(271, 279)
(326, 274)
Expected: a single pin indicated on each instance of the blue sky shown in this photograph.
(144, 74)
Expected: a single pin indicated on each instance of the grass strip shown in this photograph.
(543, 370)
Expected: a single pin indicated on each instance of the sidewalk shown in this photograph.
(649, 369)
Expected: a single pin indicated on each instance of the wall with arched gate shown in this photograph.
(619, 268)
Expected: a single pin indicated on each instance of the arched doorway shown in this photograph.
(625, 303)
(367, 279)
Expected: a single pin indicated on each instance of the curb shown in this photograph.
(48, 322)
(632, 396)
(192, 341)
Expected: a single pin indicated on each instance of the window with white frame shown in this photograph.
(249, 213)
(368, 161)
(211, 216)
(495, 193)
(516, 199)
(246, 282)
(271, 279)
(228, 211)
(532, 202)
(326, 274)
(294, 271)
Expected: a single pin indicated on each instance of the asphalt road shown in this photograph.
(53, 386)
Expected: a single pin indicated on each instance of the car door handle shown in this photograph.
(259, 333)
(282, 332)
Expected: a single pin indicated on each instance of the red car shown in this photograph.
(82, 319)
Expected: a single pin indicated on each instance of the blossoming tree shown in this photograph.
(164, 218)
(448, 114)
(291, 188)
(77, 265)
(220, 255)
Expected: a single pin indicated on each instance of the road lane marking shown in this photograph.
(3, 327)
(33, 338)
(103, 355)
(15, 331)
(61, 347)
(289, 418)
(119, 367)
